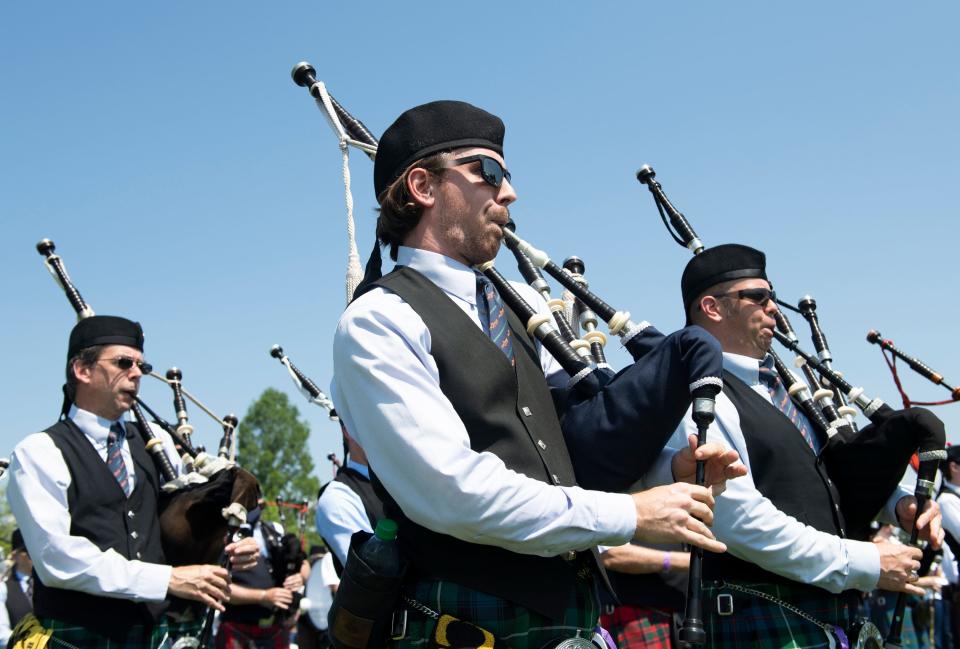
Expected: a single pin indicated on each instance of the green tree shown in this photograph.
(7, 522)
(272, 445)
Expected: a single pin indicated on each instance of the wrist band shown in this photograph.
(666, 562)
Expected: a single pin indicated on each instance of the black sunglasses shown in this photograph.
(126, 363)
(491, 170)
(759, 296)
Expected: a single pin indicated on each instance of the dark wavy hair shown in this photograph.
(399, 213)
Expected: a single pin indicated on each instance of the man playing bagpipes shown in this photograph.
(84, 493)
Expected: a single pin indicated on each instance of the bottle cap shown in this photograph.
(386, 529)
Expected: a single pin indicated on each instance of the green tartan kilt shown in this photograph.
(516, 626)
(71, 636)
(757, 622)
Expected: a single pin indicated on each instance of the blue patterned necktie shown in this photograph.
(493, 316)
(782, 400)
(115, 458)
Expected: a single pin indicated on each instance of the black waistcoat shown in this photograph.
(509, 412)
(372, 505)
(785, 470)
(17, 603)
(102, 513)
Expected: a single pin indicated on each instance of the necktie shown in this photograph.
(493, 317)
(782, 400)
(115, 457)
(29, 591)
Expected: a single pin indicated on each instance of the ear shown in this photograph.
(710, 307)
(82, 372)
(421, 185)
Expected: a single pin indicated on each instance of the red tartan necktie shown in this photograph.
(115, 458)
(493, 316)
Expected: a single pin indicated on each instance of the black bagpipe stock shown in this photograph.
(154, 445)
(682, 231)
(808, 309)
(174, 378)
(821, 396)
(305, 75)
(181, 442)
(54, 263)
(874, 337)
(532, 276)
(582, 375)
(638, 339)
(800, 393)
(184, 428)
(277, 352)
(303, 382)
(588, 319)
(226, 442)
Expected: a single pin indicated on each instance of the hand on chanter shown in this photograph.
(678, 512)
(722, 464)
(929, 524)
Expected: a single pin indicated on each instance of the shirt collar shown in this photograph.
(745, 368)
(94, 427)
(362, 469)
(952, 487)
(455, 279)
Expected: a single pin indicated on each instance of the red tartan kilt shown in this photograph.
(636, 627)
(233, 635)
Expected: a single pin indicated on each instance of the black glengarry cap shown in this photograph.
(722, 263)
(431, 128)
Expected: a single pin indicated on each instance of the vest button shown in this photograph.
(555, 479)
(541, 444)
(526, 411)
(138, 554)
(134, 534)
(130, 514)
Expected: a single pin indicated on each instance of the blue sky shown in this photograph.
(190, 185)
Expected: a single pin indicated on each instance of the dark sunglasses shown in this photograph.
(491, 170)
(759, 296)
(125, 363)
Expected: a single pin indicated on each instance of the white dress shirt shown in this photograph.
(387, 391)
(5, 630)
(340, 514)
(37, 492)
(754, 529)
(949, 502)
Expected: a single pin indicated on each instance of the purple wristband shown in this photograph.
(666, 563)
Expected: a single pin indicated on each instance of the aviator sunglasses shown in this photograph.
(125, 363)
(491, 170)
(759, 296)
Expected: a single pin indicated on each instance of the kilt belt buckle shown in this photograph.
(724, 604)
(398, 624)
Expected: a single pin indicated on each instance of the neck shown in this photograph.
(84, 402)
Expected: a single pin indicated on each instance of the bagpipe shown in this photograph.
(888, 347)
(864, 465)
(286, 551)
(197, 510)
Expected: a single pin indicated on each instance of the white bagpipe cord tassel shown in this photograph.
(354, 271)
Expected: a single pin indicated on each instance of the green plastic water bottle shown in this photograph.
(381, 552)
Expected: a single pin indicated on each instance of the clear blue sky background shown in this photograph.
(190, 185)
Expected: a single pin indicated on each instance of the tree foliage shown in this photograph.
(272, 445)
